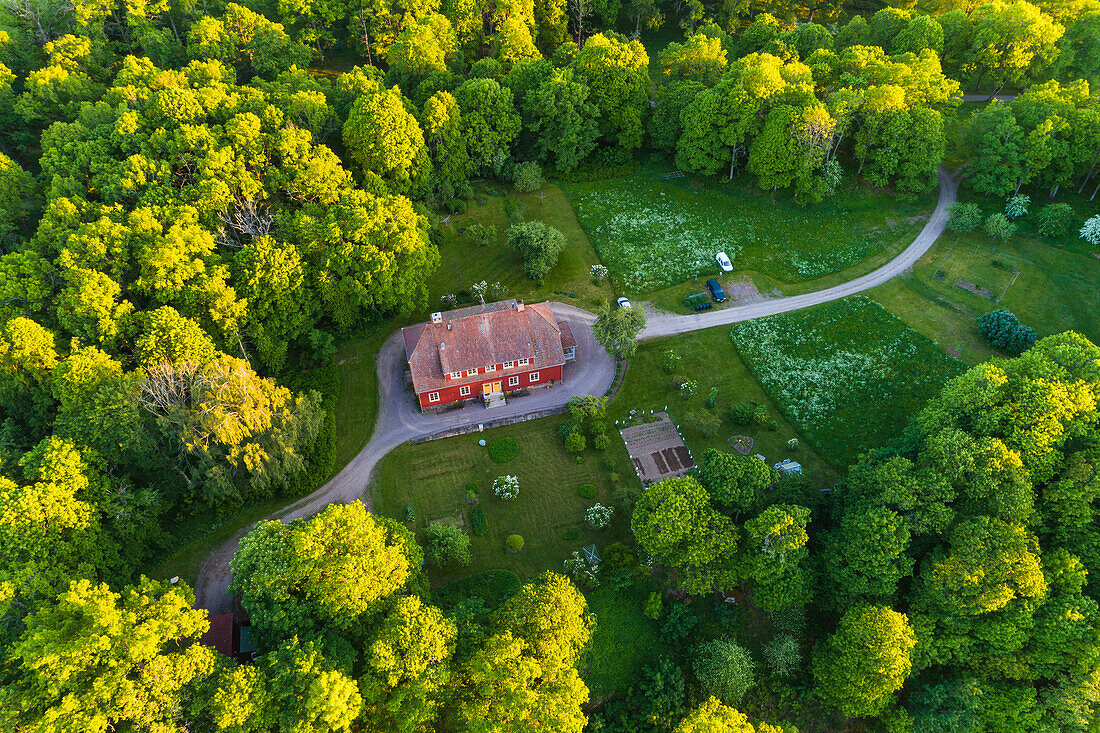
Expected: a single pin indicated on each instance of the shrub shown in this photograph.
(599, 516)
(323, 345)
(712, 398)
(742, 412)
(472, 486)
(601, 442)
(1090, 231)
(759, 415)
(608, 464)
(724, 669)
(964, 217)
(783, 655)
(613, 478)
(527, 176)
(999, 227)
(588, 491)
(458, 206)
(503, 450)
(574, 443)
(514, 210)
(688, 389)
(792, 444)
(1016, 206)
(703, 422)
(570, 534)
(445, 542)
(514, 542)
(583, 574)
(567, 427)
(625, 499)
(773, 425)
(481, 234)
(1055, 220)
(479, 524)
(506, 487)
(1003, 330)
(471, 497)
(410, 514)
(671, 361)
(580, 460)
(598, 273)
(790, 620)
(679, 623)
(651, 609)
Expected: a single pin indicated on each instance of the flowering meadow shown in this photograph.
(848, 374)
(652, 232)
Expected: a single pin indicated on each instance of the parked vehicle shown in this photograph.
(623, 303)
(724, 262)
(716, 291)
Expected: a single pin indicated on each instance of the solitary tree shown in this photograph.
(617, 329)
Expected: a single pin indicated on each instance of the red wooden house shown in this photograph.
(486, 352)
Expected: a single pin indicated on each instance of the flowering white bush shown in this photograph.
(688, 389)
(598, 273)
(583, 574)
(1090, 232)
(599, 516)
(506, 487)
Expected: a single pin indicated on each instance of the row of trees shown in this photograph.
(959, 564)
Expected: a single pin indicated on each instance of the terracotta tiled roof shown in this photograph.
(479, 336)
(567, 338)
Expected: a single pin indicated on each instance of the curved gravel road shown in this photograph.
(399, 420)
(667, 324)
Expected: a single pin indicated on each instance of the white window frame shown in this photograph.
(454, 375)
(471, 372)
(490, 369)
(509, 365)
(524, 362)
(433, 397)
(513, 381)
(464, 390)
(534, 376)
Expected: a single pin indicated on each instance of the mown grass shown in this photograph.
(709, 358)
(432, 478)
(653, 232)
(848, 373)
(465, 263)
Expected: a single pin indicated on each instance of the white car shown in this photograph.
(624, 303)
(724, 262)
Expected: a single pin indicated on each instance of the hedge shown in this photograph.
(478, 523)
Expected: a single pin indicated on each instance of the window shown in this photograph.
(524, 362)
(454, 375)
(513, 381)
(490, 368)
(464, 390)
(534, 376)
(509, 364)
(471, 372)
(433, 397)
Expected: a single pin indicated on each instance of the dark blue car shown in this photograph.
(716, 291)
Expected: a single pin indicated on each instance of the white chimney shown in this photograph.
(437, 318)
(519, 306)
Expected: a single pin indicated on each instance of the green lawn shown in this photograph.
(432, 478)
(848, 373)
(653, 232)
(465, 263)
(623, 641)
(709, 358)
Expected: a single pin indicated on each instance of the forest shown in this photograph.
(200, 201)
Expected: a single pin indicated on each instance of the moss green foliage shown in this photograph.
(479, 523)
(1003, 330)
(444, 543)
(830, 367)
(588, 491)
(514, 542)
(503, 450)
(725, 670)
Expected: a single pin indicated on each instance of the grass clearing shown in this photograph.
(432, 477)
(624, 639)
(465, 263)
(848, 373)
(709, 358)
(653, 232)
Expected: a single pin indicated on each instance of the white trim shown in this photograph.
(464, 390)
(524, 362)
(454, 375)
(490, 369)
(509, 364)
(433, 397)
(533, 377)
(471, 372)
(513, 381)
